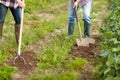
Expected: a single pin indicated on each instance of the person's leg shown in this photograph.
(17, 17)
(3, 11)
(71, 18)
(87, 18)
(16, 14)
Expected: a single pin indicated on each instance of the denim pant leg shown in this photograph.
(3, 11)
(71, 13)
(71, 18)
(86, 18)
(16, 14)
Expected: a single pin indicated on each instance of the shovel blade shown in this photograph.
(82, 42)
(90, 40)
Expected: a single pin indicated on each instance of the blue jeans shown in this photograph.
(86, 16)
(15, 12)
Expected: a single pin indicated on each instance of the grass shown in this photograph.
(54, 53)
(61, 76)
(7, 72)
(40, 5)
(77, 64)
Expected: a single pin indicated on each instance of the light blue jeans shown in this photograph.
(15, 12)
(86, 17)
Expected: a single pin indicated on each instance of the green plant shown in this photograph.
(110, 55)
(6, 72)
(77, 64)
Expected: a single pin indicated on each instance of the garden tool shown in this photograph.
(90, 40)
(19, 41)
(80, 41)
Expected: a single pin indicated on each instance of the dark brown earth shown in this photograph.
(89, 53)
(28, 66)
(86, 52)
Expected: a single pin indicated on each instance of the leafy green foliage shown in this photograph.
(110, 65)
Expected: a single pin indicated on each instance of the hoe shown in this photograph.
(20, 39)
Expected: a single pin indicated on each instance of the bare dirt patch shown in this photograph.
(23, 68)
(86, 52)
(91, 54)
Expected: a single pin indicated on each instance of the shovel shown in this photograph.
(20, 40)
(82, 41)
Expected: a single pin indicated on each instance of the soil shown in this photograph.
(90, 53)
(86, 52)
(23, 67)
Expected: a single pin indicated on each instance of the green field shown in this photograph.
(45, 23)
